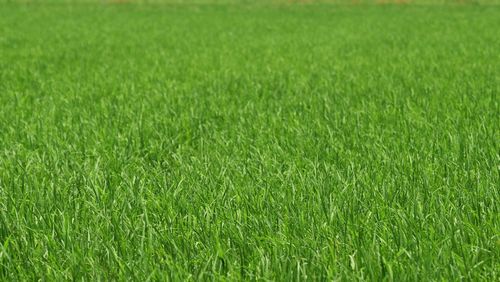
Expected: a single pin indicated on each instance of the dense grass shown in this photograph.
(249, 142)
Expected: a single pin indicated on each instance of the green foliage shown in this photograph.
(263, 2)
(247, 143)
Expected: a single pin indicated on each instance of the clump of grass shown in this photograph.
(242, 142)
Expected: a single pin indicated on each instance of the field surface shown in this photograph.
(249, 142)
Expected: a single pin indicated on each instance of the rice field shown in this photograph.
(249, 141)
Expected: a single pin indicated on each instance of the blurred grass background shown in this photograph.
(271, 2)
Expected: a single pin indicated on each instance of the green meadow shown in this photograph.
(249, 141)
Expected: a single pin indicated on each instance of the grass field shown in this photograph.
(249, 142)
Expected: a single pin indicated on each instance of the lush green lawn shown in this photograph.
(249, 142)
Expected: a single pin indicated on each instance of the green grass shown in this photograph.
(249, 142)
